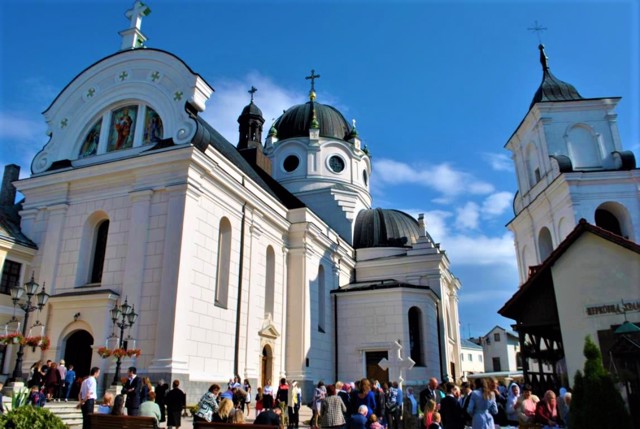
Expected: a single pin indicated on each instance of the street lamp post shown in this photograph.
(123, 316)
(17, 293)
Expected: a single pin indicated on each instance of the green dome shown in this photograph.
(297, 121)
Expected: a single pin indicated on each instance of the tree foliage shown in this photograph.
(29, 417)
(596, 402)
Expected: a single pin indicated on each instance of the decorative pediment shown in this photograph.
(268, 329)
(144, 89)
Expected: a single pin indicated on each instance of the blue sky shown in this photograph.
(437, 88)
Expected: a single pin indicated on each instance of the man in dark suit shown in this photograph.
(132, 389)
(450, 409)
(429, 393)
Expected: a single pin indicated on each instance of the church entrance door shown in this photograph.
(373, 369)
(267, 362)
(78, 352)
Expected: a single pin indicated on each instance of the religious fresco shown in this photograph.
(90, 145)
(123, 124)
(153, 130)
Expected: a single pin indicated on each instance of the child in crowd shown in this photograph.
(259, 403)
(374, 423)
(436, 421)
(37, 397)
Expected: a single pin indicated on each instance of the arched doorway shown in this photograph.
(77, 352)
(267, 362)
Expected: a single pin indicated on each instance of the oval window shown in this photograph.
(336, 164)
(291, 163)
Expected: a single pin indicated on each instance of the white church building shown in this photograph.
(262, 258)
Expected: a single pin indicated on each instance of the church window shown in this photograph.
(532, 165)
(224, 263)
(321, 300)
(336, 164)
(606, 220)
(545, 244)
(415, 335)
(291, 163)
(269, 290)
(153, 130)
(99, 251)
(365, 177)
(90, 145)
(583, 147)
(122, 130)
(10, 276)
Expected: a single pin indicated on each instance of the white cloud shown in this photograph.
(496, 204)
(468, 216)
(442, 178)
(231, 96)
(20, 129)
(499, 161)
(480, 249)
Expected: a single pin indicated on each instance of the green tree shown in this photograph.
(28, 417)
(596, 403)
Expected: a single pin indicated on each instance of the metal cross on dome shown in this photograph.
(313, 78)
(252, 91)
(396, 364)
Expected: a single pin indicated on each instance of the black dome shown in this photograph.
(251, 109)
(296, 121)
(551, 88)
(384, 228)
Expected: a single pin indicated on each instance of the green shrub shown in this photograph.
(594, 393)
(29, 417)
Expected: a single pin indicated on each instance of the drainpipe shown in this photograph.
(335, 334)
(236, 353)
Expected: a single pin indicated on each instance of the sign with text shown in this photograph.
(614, 308)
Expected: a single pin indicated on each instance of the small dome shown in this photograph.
(385, 228)
(552, 88)
(296, 121)
(251, 109)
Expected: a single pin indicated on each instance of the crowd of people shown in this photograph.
(364, 404)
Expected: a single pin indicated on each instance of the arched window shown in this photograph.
(614, 217)
(269, 287)
(606, 220)
(99, 251)
(321, 299)
(124, 127)
(224, 263)
(533, 169)
(583, 148)
(415, 335)
(545, 244)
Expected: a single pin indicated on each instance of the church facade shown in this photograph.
(263, 259)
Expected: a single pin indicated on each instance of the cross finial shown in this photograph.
(538, 29)
(136, 13)
(313, 78)
(252, 91)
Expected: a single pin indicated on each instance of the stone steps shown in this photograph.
(68, 412)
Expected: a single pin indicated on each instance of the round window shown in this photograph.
(290, 163)
(336, 164)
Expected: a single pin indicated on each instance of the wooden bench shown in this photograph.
(220, 425)
(107, 421)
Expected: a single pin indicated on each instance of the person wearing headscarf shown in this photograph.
(511, 406)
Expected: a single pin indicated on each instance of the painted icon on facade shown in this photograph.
(123, 124)
(90, 145)
(153, 130)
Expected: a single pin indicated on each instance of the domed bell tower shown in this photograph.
(250, 135)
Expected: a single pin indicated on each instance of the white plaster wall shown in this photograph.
(593, 271)
(476, 364)
(378, 323)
